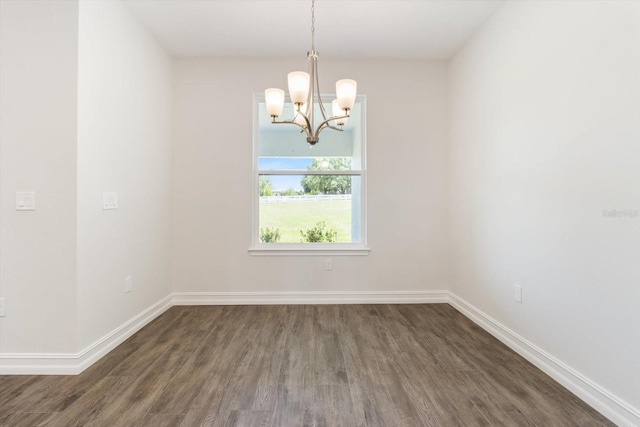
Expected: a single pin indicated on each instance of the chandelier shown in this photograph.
(304, 89)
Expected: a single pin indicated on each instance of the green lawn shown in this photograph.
(292, 216)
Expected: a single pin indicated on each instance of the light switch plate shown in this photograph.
(25, 201)
(109, 200)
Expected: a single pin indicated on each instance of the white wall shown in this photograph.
(212, 179)
(38, 76)
(124, 145)
(545, 135)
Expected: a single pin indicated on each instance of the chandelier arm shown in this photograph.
(291, 122)
(321, 128)
(325, 124)
(306, 119)
(334, 128)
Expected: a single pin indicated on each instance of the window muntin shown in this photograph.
(309, 197)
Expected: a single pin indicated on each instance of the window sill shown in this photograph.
(305, 250)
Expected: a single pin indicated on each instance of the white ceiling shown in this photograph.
(428, 29)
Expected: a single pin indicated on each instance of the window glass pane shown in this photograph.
(305, 163)
(284, 163)
(286, 140)
(313, 208)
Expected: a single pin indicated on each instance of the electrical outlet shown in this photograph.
(127, 284)
(2, 308)
(327, 264)
(517, 293)
(109, 200)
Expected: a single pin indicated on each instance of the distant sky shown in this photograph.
(284, 182)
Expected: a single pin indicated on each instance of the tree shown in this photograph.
(265, 186)
(328, 184)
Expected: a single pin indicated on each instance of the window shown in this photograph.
(309, 199)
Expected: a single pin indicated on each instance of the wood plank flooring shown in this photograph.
(303, 365)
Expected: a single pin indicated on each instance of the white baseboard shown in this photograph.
(267, 298)
(600, 399)
(75, 363)
(39, 364)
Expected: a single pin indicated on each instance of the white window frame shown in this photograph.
(311, 249)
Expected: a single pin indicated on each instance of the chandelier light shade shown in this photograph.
(346, 93)
(274, 99)
(304, 93)
(298, 87)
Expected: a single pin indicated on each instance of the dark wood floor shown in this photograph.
(346, 365)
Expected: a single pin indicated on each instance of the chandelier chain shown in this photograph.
(313, 24)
